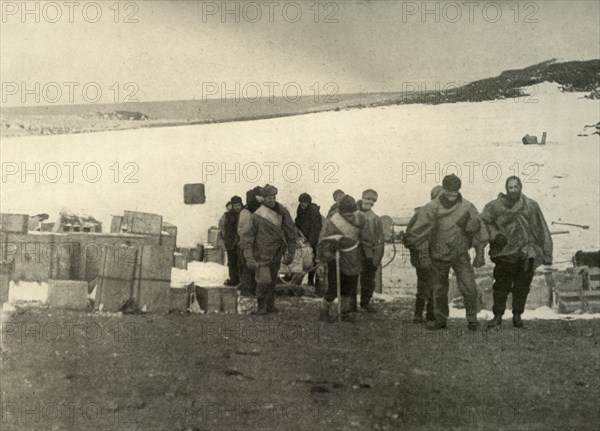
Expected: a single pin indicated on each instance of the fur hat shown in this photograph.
(236, 200)
(436, 191)
(513, 178)
(370, 193)
(451, 182)
(305, 197)
(268, 190)
(338, 193)
(347, 204)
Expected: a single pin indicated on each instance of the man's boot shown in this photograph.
(261, 308)
(368, 308)
(473, 326)
(271, 302)
(346, 309)
(418, 318)
(517, 322)
(353, 307)
(324, 315)
(429, 315)
(496, 321)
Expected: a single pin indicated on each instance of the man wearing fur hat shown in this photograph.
(341, 232)
(337, 197)
(441, 235)
(520, 241)
(232, 240)
(309, 222)
(270, 235)
(372, 244)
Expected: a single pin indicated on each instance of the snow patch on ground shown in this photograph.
(541, 313)
(205, 274)
(27, 291)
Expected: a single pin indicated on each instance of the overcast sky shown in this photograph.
(177, 46)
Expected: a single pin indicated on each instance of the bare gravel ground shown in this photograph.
(80, 371)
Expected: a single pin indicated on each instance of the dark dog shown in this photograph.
(587, 258)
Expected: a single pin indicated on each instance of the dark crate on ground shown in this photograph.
(142, 223)
(178, 299)
(14, 223)
(69, 294)
(221, 299)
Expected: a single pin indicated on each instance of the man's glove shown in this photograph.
(479, 260)
(500, 241)
(463, 220)
(249, 257)
(288, 259)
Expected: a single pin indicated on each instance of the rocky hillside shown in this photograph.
(581, 76)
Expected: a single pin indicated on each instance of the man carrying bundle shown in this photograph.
(341, 233)
(270, 234)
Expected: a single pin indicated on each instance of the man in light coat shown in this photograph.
(441, 235)
(520, 241)
(270, 236)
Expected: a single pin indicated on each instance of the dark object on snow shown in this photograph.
(532, 140)
(193, 194)
(587, 258)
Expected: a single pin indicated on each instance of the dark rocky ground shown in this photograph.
(79, 371)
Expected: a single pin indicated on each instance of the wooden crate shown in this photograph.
(115, 224)
(39, 256)
(180, 261)
(142, 223)
(14, 223)
(69, 294)
(169, 228)
(574, 301)
(221, 299)
(153, 278)
(209, 299)
(115, 282)
(6, 270)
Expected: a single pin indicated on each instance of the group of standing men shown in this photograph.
(441, 233)
(261, 235)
